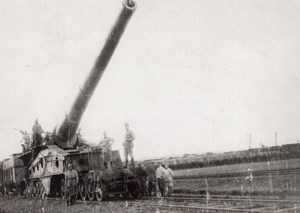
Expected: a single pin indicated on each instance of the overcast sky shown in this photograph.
(188, 76)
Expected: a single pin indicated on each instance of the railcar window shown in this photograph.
(42, 162)
(81, 161)
(56, 162)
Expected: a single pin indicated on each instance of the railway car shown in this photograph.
(12, 175)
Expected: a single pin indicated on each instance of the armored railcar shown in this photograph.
(99, 175)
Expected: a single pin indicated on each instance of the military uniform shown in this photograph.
(142, 177)
(71, 177)
(36, 134)
(107, 142)
(151, 179)
(160, 176)
(128, 146)
(27, 141)
(169, 181)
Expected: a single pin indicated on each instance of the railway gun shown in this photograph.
(41, 170)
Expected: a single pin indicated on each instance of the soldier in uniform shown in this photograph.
(128, 145)
(37, 134)
(27, 140)
(78, 133)
(151, 179)
(169, 180)
(71, 180)
(142, 177)
(107, 142)
(160, 177)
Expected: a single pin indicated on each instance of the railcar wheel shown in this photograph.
(19, 192)
(100, 192)
(125, 194)
(82, 191)
(90, 190)
(77, 196)
(134, 188)
(38, 188)
(33, 191)
(27, 191)
(63, 189)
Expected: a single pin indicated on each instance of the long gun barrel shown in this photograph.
(65, 134)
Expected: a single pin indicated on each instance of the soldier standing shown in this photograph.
(71, 179)
(78, 133)
(128, 145)
(151, 179)
(169, 180)
(26, 139)
(37, 134)
(142, 177)
(107, 142)
(160, 177)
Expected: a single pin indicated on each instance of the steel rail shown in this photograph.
(247, 199)
(227, 207)
(210, 209)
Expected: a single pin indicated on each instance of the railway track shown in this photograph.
(190, 204)
(227, 204)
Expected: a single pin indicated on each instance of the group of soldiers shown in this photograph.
(37, 138)
(107, 142)
(155, 180)
(164, 176)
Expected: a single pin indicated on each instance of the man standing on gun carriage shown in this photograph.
(27, 141)
(71, 180)
(128, 145)
(106, 142)
(37, 131)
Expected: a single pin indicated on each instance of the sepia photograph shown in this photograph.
(149, 106)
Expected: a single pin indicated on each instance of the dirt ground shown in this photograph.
(20, 205)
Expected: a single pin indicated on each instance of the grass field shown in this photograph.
(257, 166)
(218, 183)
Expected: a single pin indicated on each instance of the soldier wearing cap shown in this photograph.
(128, 145)
(26, 139)
(151, 179)
(71, 179)
(37, 134)
(160, 177)
(142, 177)
(169, 180)
(106, 142)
